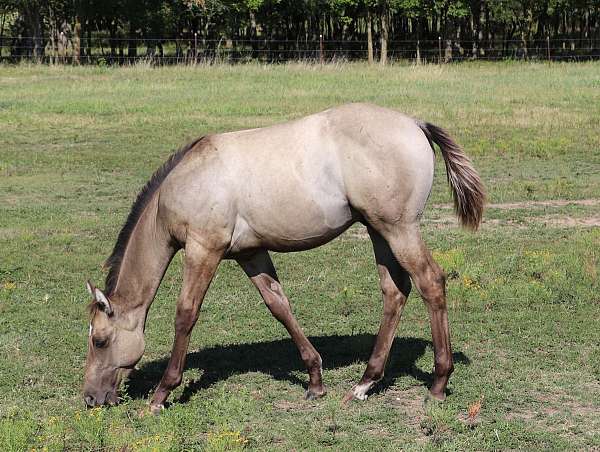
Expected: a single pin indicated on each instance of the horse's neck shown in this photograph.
(146, 258)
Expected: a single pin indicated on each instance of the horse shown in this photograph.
(288, 187)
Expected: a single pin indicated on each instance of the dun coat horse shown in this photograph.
(288, 187)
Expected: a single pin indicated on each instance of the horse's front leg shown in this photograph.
(200, 266)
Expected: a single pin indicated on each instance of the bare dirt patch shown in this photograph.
(409, 404)
(550, 221)
(571, 222)
(530, 204)
(452, 222)
(557, 221)
(557, 415)
(287, 405)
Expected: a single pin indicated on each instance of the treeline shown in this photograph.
(121, 30)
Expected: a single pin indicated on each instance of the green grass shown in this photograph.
(76, 144)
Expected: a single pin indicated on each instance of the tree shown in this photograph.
(284, 29)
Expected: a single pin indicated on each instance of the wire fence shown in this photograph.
(192, 49)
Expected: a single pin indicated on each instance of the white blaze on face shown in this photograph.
(90, 331)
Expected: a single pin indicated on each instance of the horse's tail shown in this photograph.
(467, 189)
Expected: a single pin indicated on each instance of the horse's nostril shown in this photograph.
(90, 400)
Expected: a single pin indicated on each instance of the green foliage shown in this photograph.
(287, 19)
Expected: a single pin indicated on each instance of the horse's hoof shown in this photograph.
(155, 410)
(349, 397)
(358, 392)
(354, 394)
(432, 400)
(314, 394)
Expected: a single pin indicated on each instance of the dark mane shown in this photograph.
(113, 263)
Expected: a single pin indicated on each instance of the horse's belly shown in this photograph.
(292, 225)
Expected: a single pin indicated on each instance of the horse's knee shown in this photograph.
(185, 319)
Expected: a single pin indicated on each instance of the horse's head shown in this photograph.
(115, 345)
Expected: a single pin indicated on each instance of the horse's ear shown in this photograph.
(102, 301)
(90, 287)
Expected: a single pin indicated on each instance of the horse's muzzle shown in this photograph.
(94, 400)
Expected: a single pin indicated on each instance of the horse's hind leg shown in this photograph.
(412, 253)
(395, 288)
(261, 272)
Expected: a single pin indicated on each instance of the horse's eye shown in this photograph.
(99, 343)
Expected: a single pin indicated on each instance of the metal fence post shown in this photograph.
(440, 49)
(548, 46)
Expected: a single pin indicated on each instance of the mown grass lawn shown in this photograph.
(524, 293)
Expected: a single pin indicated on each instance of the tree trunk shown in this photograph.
(112, 32)
(524, 43)
(62, 43)
(488, 30)
(2, 33)
(30, 12)
(77, 41)
(253, 35)
(384, 34)
(476, 27)
(370, 36)
(53, 36)
(131, 44)
(89, 41)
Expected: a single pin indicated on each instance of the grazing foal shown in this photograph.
(289, 187)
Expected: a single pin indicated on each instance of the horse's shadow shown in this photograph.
(280, 359)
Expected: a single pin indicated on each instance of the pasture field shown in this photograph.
(76, 144)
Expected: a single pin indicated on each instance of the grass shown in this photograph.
(77, 143)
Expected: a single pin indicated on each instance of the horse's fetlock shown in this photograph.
(312, 360)
(185, 320)
(444, 367)
(373, 376)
